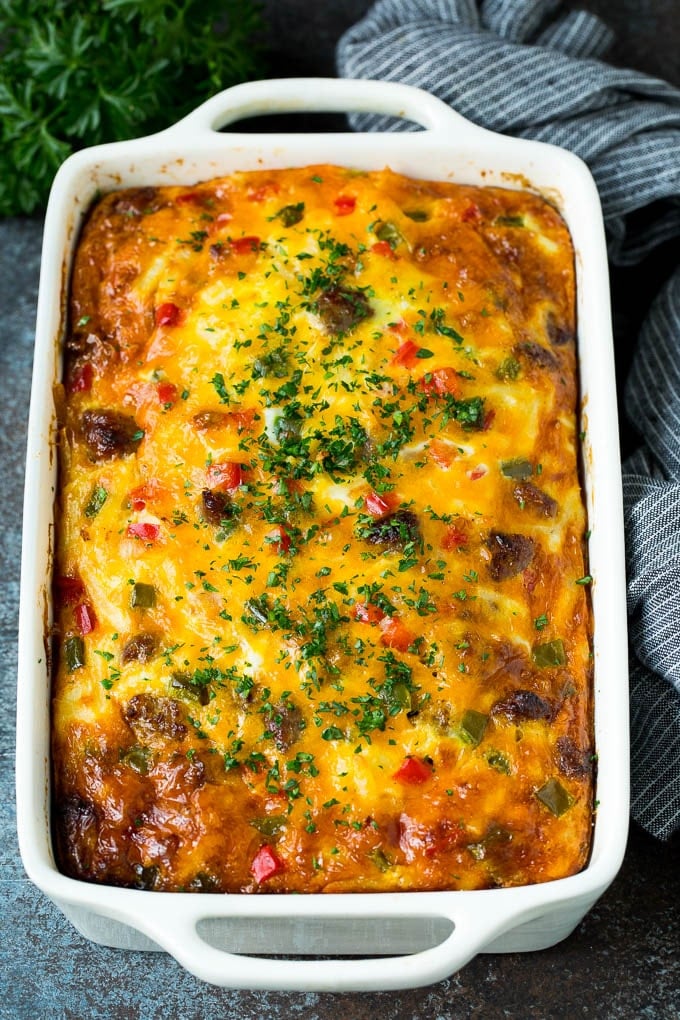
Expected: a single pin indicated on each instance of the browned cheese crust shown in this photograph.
(320, 599)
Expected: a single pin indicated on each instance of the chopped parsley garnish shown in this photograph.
(437, 316)
(220, 387)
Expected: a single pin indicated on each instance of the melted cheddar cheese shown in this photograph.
(320, 599)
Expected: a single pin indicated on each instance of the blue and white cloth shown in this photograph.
(530, 69)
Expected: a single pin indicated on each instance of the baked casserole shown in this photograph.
(321, 602)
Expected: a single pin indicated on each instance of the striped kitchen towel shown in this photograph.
(530, 69)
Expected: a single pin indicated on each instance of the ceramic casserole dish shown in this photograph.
(420, 937)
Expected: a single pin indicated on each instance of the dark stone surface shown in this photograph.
(623, 961)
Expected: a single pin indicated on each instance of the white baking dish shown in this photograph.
(435, 933)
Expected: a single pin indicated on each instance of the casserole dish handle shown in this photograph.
(177, 932)
(322, 95)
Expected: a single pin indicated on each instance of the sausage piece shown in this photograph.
(285, 724)
(341, 309)
(109, 434)
(136, 202)
(558, 334)
(217, 507)
(393, 530)
(523, 705)
(530, 497)
(149, 715)
(206, 421)
(77, 832)
(510, 554)
(573, 761)
(140, 648)
(536, 354)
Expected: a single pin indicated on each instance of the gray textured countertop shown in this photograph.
(623, 959)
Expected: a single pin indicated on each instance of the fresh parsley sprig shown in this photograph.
(77, 74)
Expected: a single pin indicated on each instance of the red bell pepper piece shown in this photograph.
(344, 205)
(365, 612)
(82, 378)
(167, 392)
(413, 772)
(85, 618)
(146, 493)
(454, 538)
(227, 474)
(266, 864)
(279, 539)
(241, 245)
(143, 529)
(441, 453)
(385, 249)
(441, 382)
(69, 589)
(395, 634)
(406, 355)
(168, 314)
(378, 505)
